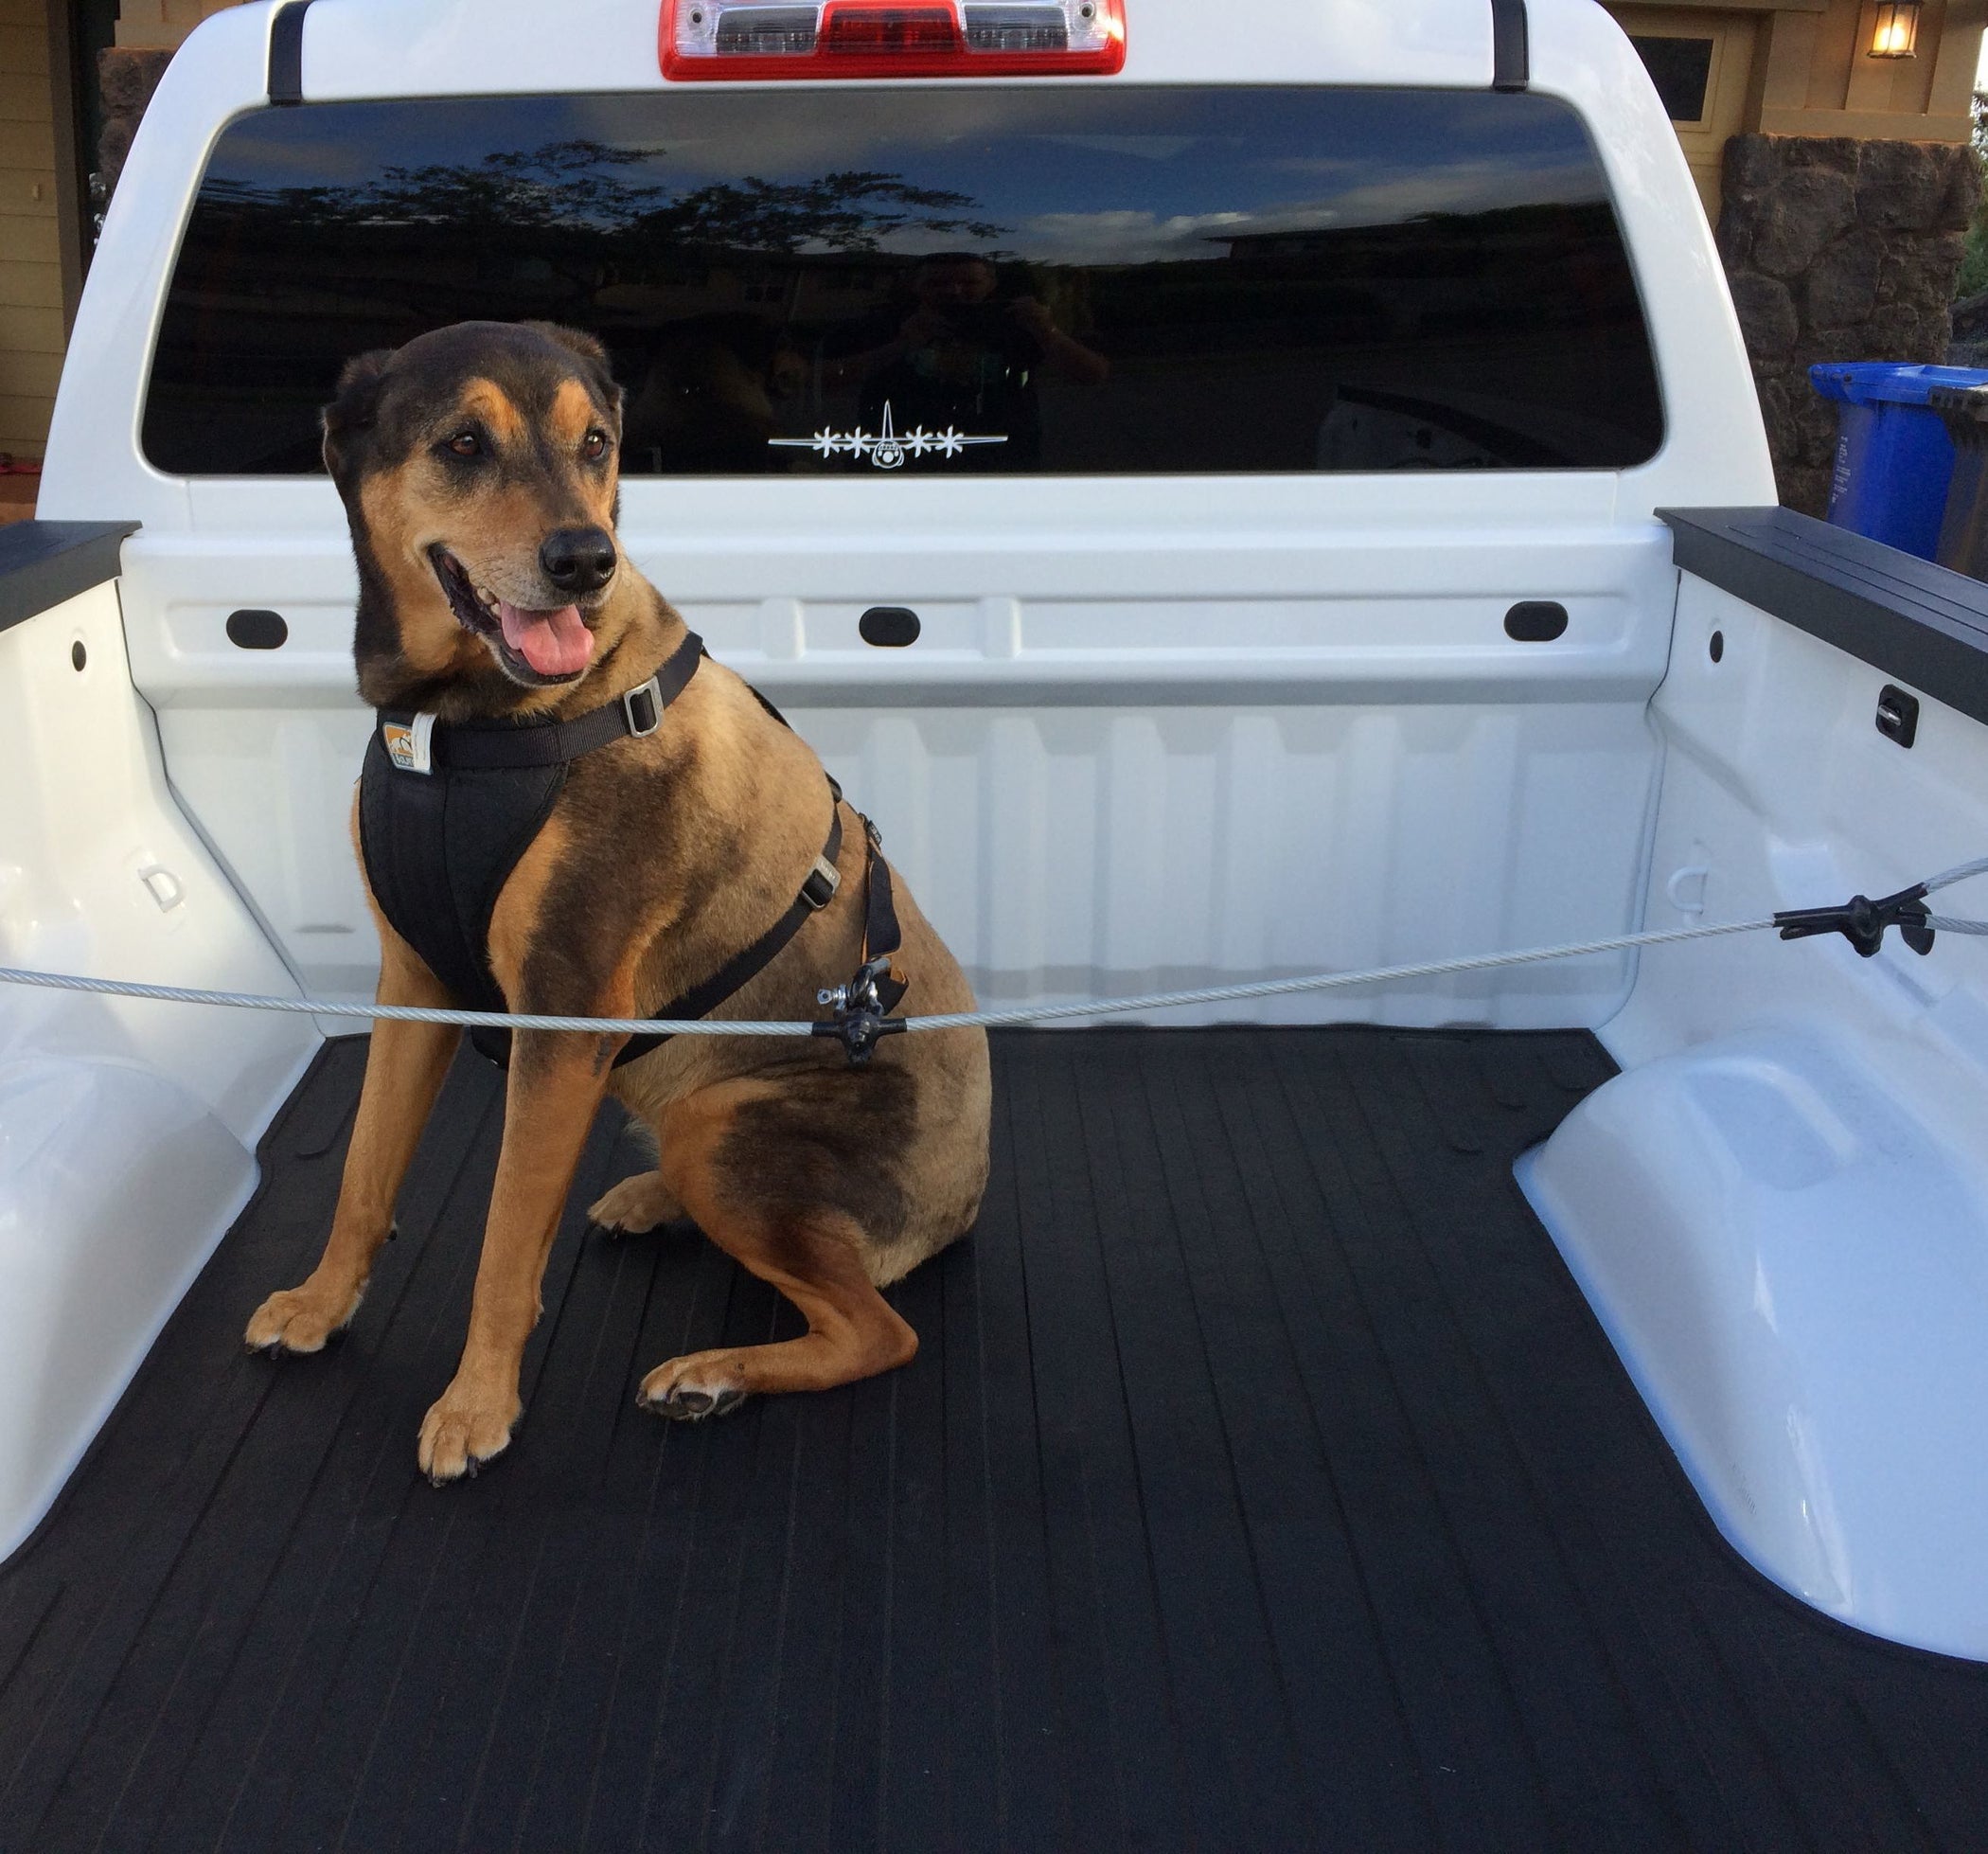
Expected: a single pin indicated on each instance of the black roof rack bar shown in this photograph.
(1511, 62)
(286, 53)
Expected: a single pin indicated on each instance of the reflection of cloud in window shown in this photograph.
(273, 160)
(1474, 186)
(1327, 167)
(1141, 147)
(1126, 235)
(1130, 237)
(811, 132)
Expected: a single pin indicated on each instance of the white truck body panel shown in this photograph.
(1183, 621)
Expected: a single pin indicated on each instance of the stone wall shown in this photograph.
(128, 78)
(1838, 250)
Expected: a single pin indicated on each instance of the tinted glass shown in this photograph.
(1066, 281)
(1680, 69)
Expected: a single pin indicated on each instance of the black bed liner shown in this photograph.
(1262, 1483)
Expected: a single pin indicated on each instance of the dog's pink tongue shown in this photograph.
(554, 643)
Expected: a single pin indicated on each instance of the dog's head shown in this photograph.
(478, 466)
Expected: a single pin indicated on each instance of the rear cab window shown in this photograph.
(1069, 280)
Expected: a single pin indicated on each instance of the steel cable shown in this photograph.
(1013, 1016)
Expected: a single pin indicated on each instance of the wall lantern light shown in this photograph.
(1896, 34)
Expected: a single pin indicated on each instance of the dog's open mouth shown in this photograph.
(551, 646)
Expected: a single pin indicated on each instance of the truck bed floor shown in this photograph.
(1263, 1482)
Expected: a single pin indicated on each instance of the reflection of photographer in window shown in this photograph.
(966, 358)
(702, 399)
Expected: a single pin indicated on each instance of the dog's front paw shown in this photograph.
(634, 1205)
(300, 1320)
(689, 1389)
(464, 1429)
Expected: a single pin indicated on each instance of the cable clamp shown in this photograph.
(859, 1020)
(1863, 922)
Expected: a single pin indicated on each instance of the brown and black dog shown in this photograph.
(474, 462)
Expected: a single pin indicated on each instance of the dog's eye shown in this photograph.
(594, 446)
(466, 444)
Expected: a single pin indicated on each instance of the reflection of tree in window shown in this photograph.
(573, 186)
(573, 230)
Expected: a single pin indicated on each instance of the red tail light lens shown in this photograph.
(898, 31)
(760, 39)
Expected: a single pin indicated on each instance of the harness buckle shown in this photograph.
(643, 709)
(820, 887)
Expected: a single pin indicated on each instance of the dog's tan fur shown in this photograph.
(662, 857)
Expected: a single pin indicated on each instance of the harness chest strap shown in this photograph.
(447, 809)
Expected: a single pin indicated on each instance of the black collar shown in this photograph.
(420, 743)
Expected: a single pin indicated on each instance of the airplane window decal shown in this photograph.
(884, 448)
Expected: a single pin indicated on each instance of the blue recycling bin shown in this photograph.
(1895, 458)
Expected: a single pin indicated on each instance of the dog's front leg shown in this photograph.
(556, 1082)
(404, 1066)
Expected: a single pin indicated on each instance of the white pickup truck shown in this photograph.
(1236, 492)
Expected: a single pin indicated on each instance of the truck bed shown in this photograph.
(1263, 1482)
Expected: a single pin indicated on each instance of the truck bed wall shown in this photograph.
(126, 1128)
(1781, 1208)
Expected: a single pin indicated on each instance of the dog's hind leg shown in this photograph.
(813, 1254)
(404, 1066)
(815, 1260)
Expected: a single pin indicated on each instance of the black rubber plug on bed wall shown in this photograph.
(1536, 621)
(891, 627)
(257, 631)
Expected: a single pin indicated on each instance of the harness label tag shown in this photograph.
(407, 745)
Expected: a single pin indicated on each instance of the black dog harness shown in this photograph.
(447, 809)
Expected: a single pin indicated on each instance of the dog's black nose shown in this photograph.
(579, 559)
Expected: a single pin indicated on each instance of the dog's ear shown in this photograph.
(352, 411)
(583, 347)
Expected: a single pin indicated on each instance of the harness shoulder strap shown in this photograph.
(737, 972)
(881, 935)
